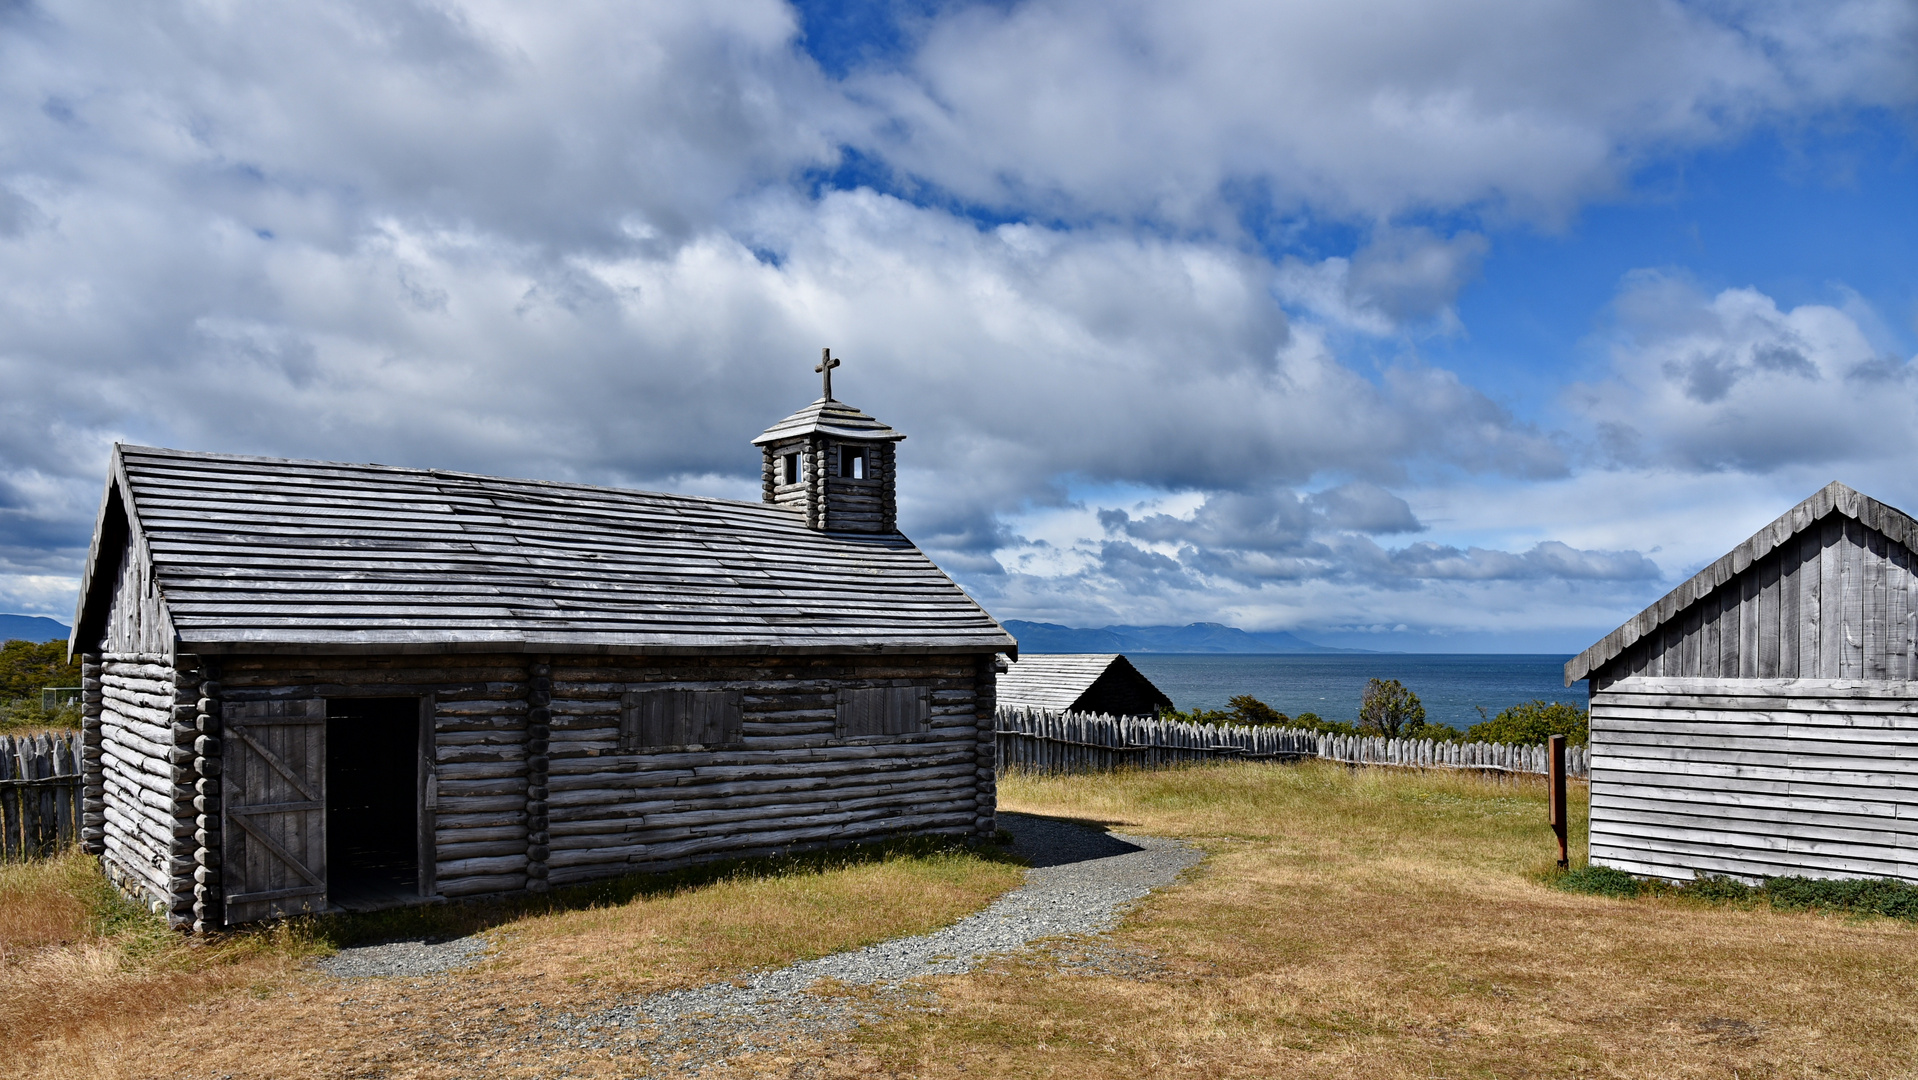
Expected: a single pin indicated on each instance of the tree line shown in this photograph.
(26, 668)
(1390, 710)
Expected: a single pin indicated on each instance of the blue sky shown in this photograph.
(1473, 327)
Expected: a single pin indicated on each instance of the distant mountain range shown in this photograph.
(31, 628)
(1203, 637)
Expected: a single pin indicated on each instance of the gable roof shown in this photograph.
(831, 418)
(253, 554)
(1833, 498)
(1055, 682)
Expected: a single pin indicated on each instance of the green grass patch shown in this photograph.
(1880, 897)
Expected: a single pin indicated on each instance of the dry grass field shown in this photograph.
(1365, 923)
(90, 989)
(1388, 924)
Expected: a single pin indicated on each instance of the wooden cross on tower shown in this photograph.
(826, 364)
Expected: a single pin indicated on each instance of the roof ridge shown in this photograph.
(433, 475)
(1834, 497)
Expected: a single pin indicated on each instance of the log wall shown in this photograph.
(789, 783)
(476, 775)
(144, 809)
(527, 785)
(1756, 778)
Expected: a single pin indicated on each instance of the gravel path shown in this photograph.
(1080, 882)
(416, 956)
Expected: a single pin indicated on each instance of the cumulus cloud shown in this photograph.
(1734, 381)
(598, 242)
(1402, 277)
(1371, 109)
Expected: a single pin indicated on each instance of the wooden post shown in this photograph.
(1557, 750)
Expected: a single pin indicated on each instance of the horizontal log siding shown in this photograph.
(1756, 778)
(1836, 601)
(789, 784)
(477, 778)
(144, 843)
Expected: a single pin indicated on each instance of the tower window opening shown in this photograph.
(789, 468)
(852, 463)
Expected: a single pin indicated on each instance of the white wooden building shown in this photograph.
(312, 685)
(1762, 719)
(1080, 682)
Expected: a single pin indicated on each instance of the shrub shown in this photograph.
(1599, 881)
(1434, 732)
(1312, 721)
(1716, 888)
(1879, 896)
(27, 666)
(1197, 716)
(1533, 722)
(1246, 709)
(1388, 708)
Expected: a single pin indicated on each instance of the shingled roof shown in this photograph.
(834, 419)
(1064, 682)
(258, 554)
(1833, 498)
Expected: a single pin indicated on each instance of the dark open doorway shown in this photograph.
(372, 801)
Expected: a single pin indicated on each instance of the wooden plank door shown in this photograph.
(275, 799)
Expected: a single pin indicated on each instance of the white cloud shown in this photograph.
(1370, 109)
(1733, 382)
(1402, 278)
(583, 242)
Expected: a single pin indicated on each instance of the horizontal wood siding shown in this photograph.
(1838, 600)
(1758, 778)
(145, 811)
(476, 779)
(790, 783)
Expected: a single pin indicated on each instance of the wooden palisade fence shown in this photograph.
(1050, 742)
(39, 793)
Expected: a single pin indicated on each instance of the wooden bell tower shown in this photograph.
(832, 464)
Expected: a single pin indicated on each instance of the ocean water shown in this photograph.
(1450, 686)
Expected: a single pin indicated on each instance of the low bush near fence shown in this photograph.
(1875, 896)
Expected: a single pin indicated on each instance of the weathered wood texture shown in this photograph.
(253, 555)
(1049, 742)
(146, 779)
(825, 489)
(528, 783)
(792, 781)
(1756, 778)
(40, 793)
(475, 773)
(1826, 591)
(138, 621)
(274, 791)
(1082, 683)
(1838, 601)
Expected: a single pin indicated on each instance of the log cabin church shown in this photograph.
(312, 686)
(1762, 719)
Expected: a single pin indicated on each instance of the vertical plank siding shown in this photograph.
(1059, 742)
(1758, 778)
(1833, 602)
(40, 789)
